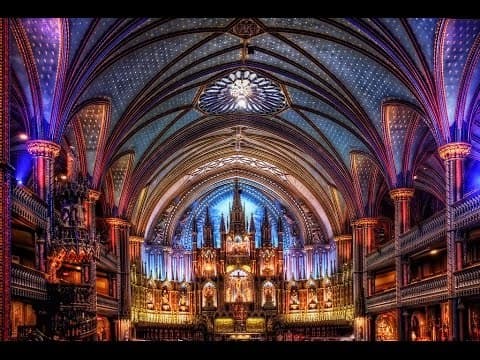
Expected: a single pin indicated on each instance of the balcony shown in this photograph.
(28, 206)
(466, 212)
(73, 296)
(381, 301)
(424, 234)
(382, 256)
(28, 283)
(107, 305)
(425, 291)
(467, 281)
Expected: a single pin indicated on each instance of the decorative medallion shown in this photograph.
(242, 91)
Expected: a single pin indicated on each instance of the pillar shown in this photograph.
(135, 250)
(5, 185)
(344, 249)
(453, 155)
(401, 198)
(363, 240)
(44, 153)
(118, 232)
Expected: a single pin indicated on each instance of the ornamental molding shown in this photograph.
(345, 237)
(43, 148)
(117, 222)
(454, 150)
(400, 194)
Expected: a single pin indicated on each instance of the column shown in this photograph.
(5, 186)
(363, 240)
(135, 249)
(118, 230)
(90, 200)
(344, 249)
(44, 153)
(453, 155)
(401, 198)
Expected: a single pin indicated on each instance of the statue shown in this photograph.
(294, 300)
(183, 303)
(165, 299)
(312, 298)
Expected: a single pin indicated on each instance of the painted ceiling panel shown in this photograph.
(92, 119)
(78, 28)
(188, 118)
(181, 99)
(175, 25)
(304, 99)
(100, 30)
(472, 93)
(222, 42)
(144, 137)
(398, 30)
(365, 171)
(318, 26)
(119, 171)
(369, 82)
(424, 30)
(343, 141)
(130, 74)
(399, 119)
(420, 137)
(296, 120)
(459, 37)
(19, 66)
(45, 40)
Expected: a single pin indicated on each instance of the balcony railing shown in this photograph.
(467, 281)
(467, 211)
(29, 206)
(73, 296)
(381, 256)
(424, 234)
(28, 283)
(381, 301)
(156, 317)
(106, 304)
(424, 291)
(338, 315)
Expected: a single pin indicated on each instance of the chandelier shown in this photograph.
(242, 91)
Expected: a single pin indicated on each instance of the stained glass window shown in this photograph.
(242, 91)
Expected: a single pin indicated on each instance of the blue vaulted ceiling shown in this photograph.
(336, 74)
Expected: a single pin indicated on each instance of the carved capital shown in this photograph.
(344, 237)
(117, 222)
(402, 194)
(93, 195)
(135, 239)
(454, 150)
(43, 148)
(366, 221)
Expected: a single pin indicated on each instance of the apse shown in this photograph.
(219, 201)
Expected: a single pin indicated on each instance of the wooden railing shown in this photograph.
(467, 211)
(467, 281)
(28, 283)
(424, 234)
(380, 301)
(381, 255)
(29, 206)
(106, 303)
(338, 315)
(157, 317)
(73, 296)
(431, 289)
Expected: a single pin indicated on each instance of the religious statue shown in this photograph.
(208, 294)
(312, 298)
(183, 302)
(294, 300)
(165, 299)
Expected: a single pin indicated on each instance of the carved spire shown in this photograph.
(237, 219)
(207, 231)
(252, 224)
(222, 224)
(266, 231)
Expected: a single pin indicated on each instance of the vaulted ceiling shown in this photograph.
(368, 103)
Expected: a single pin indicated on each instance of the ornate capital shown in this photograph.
(93, 195)
(117, 222)
(43, 148)
(366, 221)
(136, 239)
(454, 150)
(344, 237)
(402, 194)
